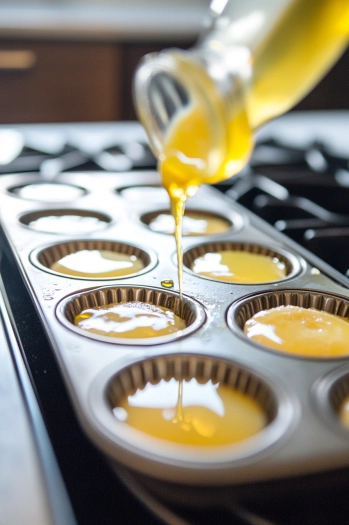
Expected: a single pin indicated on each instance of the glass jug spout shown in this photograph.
(176, 90)
(167, 83)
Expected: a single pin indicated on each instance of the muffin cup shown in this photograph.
(147, 218)
(329, 392)
(241, 311)
(27, 218)
(291, 262)
(159, 458)
(73, 192)
(43, 258)
(186, 308)
(154, 193)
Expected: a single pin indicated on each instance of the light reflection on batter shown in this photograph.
(239, 266)
(192, 413)
(303, 331)
(98, 263)
(194, 223)
(130, 320)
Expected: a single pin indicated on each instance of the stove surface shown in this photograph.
(297, 178)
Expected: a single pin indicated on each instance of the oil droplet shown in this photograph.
(167, 283)
(315, 271)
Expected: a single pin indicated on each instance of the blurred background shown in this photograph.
(73, 60)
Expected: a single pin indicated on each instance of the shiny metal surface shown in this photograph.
(31, 487)
(309, 445)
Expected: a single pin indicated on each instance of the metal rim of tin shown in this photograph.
(243, 309)
(233, 222)
(45, 256)
(187, 308)
(328, 393)
(14, 190)
(162, 459)
(292, 262)
(26, 218)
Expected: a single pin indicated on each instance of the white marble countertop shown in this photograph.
(119, 20)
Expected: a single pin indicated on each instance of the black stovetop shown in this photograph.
(300, 187)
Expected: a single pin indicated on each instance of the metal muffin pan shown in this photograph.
(305, 443)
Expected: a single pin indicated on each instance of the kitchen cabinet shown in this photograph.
(87, 81)
(45, 81)
(59, 81)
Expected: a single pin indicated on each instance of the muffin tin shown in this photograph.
(298, 395)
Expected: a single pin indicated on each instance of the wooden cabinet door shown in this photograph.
(59, 82)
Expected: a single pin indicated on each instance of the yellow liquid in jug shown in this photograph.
(286, 64)
(301, 331)
(191, 413)
(239, 267)
(129, 320)
(97, 264)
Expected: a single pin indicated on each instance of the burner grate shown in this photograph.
(121, 156)
(302, 193)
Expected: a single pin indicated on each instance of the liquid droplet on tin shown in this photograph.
(167, 283)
